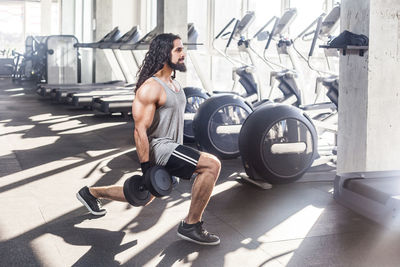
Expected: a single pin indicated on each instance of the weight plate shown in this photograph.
(134, 191)
(158, 181)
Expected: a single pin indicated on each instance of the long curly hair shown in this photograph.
(159, 53)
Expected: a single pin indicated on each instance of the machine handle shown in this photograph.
(227, 25)
(232, 33)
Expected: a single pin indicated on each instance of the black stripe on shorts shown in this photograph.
(182, 162)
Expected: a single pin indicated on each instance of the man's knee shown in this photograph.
(213, 165)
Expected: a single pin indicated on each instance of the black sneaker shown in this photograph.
(90, 202)
(197, 234)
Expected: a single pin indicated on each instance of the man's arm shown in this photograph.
(143, 108)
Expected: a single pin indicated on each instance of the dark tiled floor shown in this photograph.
(48, 151)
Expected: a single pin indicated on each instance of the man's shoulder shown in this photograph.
(150, 82)
(150, 85)
(149, 91)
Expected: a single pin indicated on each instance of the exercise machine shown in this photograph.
(84, 97)
(375, 195)
(217, 122)
(123, 103)
(46, 90)
(278, 143)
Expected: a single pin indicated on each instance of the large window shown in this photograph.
(224, 11)
(18, 19)
(218, 69)
(12, 25)
(197, 14)
(221, 69)
(32, 18)
(307, 12)
(264, 11)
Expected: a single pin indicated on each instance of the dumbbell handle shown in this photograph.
(142, 188)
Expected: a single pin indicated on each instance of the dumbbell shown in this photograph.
(138, 188)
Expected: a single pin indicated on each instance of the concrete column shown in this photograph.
(104, 24)
(67, 17)
(172, 17)
(45, 17)
(369, 92)
(124, 14)
(109, 14)
(87, 63)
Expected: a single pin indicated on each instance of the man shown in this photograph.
(158, 111)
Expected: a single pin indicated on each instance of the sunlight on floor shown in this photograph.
(14, 90)
(20, 94)
(65, 118)
(225, 186)
(93, 128)
(59, 164)
(38, 170)
(43, 252)
(96, 153)
(296, 226)
(19, 142)
(12, 129)
(46, 116)
(165, 228)
(293, 230)
(67, 125)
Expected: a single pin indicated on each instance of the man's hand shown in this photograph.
(145, 166)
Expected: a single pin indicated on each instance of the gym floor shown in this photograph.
(48, 151)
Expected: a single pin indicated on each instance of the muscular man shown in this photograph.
(158, 111)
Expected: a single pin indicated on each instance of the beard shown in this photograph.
(177, 66)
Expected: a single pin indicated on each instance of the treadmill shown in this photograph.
(123, 103)
(83, 96)
(375, 195)
(46, 89)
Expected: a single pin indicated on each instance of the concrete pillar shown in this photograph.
(104, 24)
(109, 14)
(87, 63)
(172, 18)
(124, 14)
(369, 92)
(67, 17)
(146, 10)
(45, 17)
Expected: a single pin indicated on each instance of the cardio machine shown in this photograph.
(195, 96)
(83, 98)
(122, 103)
(278, 143)
(66, 95)
(217, 122)
(375, 195)
(50, 88)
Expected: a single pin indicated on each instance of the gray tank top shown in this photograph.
(166, 131)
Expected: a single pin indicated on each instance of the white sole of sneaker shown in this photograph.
(198, 242)
(87, 206)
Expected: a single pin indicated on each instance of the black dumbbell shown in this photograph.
(138, 189)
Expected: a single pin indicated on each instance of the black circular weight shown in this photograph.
(278, 143)
(135, 192)
(217, 124)
(158, 181)
(194, 98)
